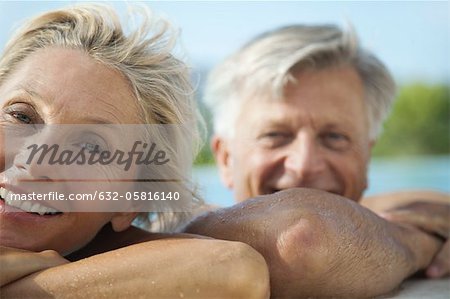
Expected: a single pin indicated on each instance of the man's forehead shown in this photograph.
(282, 113)
(323, 100)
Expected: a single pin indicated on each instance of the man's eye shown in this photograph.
(335, 140)
(274, 135)
(274, 139)
(335, 136)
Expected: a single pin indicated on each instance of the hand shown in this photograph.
(17, 263)
(433, 218)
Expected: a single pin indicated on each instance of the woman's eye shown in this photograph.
(89, 142)
(22, 113)
(90, 147)
(22, 117)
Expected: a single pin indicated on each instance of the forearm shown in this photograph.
(16, 263)
(428, 211)
(11, 270)
(422, 246)
(163, 268)
(317, 244)
(373, 262)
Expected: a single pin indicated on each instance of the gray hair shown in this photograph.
(267, 63)
(159, 81)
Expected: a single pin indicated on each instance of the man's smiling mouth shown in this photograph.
(26, 205)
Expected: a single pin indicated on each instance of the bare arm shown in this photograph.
(387, 201)
(318, 244)
(17, 263)
(173, 268)
(426, 210)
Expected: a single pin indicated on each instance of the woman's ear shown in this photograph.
(121, 221)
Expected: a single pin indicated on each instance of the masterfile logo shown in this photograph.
(138, 168)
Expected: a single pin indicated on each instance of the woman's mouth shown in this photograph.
(13, 200)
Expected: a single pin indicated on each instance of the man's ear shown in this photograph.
(221, 149)
(122, 220)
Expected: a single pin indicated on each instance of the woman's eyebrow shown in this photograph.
(31, 93)
(23, 89)
(97, 120)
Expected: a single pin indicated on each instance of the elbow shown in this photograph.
(336, 248)
(303, 254)
(316, 263)
(249, 275)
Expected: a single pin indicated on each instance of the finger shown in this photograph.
(425, 217)
(431, 208)
(440, 266)
(51, 259)
(436, 226)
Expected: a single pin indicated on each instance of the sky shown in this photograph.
(412, 38)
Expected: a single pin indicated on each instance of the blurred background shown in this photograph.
(411, 38)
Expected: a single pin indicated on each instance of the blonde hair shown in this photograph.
(268, 62)
(160, 82)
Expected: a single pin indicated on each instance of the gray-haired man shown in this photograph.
(302, 106)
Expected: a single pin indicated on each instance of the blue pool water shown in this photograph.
(385, 174)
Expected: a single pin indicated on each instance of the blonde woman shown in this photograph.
(76, 66)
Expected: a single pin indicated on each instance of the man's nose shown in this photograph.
(305, 158)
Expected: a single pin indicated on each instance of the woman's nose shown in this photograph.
(35, 156)
(36, 165)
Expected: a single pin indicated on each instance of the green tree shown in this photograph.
(205, 155)
(419, 122)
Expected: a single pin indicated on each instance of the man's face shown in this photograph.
(317, 137)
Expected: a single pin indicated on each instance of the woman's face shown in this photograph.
(52, 87)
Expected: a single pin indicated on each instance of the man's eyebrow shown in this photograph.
(343, 125)
(277, 120)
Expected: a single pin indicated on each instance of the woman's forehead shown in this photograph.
(69, 81)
